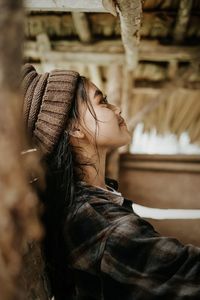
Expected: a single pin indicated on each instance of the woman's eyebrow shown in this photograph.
(97, 93)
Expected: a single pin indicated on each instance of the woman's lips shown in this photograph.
(121, 122)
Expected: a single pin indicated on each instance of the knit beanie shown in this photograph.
(47, 102)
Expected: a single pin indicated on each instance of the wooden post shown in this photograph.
(113, 91)
(18, 203)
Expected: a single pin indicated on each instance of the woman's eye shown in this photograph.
(104, 100)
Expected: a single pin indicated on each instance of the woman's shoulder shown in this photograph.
(97, 205)
(96, 195)
(94, 218)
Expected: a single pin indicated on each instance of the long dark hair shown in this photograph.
(63, 171)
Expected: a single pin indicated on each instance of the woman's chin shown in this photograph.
(127, 136)
(126, 140)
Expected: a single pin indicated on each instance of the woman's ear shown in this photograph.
(77, 133)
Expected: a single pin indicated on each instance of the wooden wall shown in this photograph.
(164, 181)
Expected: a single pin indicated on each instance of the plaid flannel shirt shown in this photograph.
(115, 254)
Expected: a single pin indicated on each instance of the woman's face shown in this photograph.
(109, 130)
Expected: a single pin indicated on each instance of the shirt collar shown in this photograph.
(113, 195)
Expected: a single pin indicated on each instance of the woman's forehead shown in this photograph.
(94, 91)
(97, 93)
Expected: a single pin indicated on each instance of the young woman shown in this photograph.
(97, 248)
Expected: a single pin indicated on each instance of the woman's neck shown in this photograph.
(95, 174)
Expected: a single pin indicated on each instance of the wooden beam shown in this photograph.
(82, 26)
(65, 5)
(130, 21)
(98, 59)
(182, 20)
(107, 52)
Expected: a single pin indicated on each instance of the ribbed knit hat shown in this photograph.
(47, 101)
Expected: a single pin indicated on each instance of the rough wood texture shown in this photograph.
(130, 20)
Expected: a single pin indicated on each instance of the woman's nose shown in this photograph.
(117, 110)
